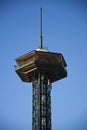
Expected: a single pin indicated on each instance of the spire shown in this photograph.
(41, 46)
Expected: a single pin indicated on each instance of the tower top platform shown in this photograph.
(41, 61)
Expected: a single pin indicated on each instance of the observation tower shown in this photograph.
(41, 68)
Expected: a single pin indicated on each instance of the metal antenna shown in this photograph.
(41, 28)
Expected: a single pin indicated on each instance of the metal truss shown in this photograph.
(41, 103)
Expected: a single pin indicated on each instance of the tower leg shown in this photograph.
(41, 103)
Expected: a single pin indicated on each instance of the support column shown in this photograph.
(41, 103)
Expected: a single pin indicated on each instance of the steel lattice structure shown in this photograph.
(41, 103)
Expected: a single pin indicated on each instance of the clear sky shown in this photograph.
(65, 31)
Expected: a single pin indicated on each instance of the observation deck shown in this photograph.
(41, 61)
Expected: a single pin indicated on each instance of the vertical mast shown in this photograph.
(41, 28)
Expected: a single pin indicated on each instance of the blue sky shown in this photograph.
(65, 31)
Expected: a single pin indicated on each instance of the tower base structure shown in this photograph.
(41, 68)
